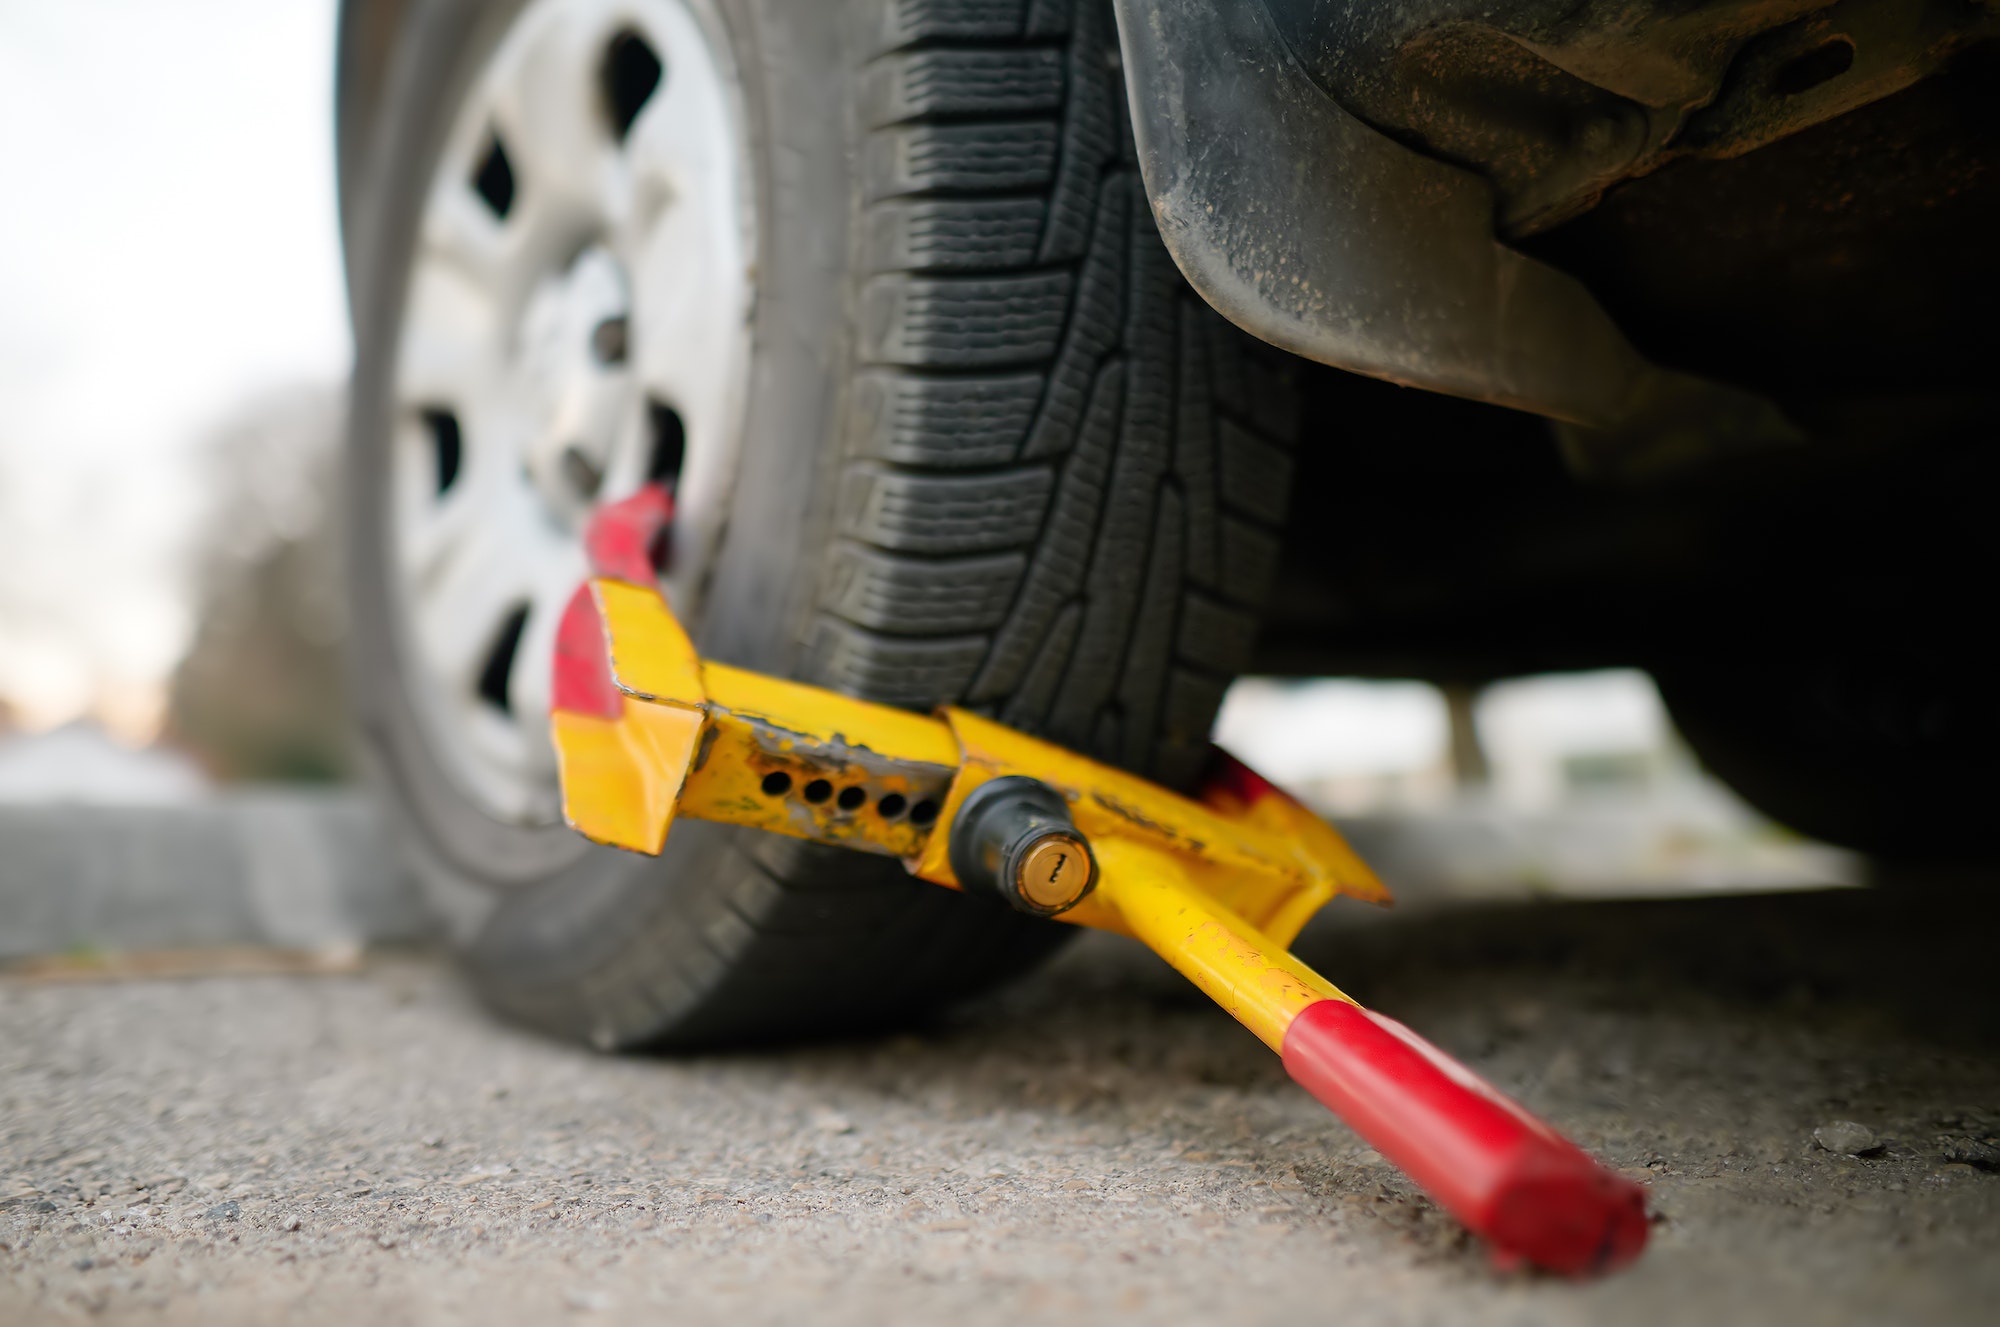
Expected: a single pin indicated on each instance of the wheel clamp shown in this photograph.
(1218, 884)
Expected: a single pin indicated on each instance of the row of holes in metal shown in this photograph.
(891, 807)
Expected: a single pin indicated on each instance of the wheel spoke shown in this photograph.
(547, 109)
(428, 523)
(680, 363)
(475, 583)
(500, 257)
(529, 688)
(678, 152)
(451, 338)
(449, 363)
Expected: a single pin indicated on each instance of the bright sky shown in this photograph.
(168, 249)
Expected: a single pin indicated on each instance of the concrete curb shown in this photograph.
(270, 867)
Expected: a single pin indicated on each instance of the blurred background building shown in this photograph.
(258, 694)
(169, 285)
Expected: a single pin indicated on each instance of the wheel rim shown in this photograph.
(575, 327)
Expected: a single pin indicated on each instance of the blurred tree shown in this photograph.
(259, 695)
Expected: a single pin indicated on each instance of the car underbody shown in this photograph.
(1736, 258)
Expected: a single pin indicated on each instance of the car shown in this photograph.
(1068, 359)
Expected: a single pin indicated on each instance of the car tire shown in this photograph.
(1888, 752)
(992, 452)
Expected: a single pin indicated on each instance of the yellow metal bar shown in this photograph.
(1273, 864)
(650, 654)
(829, 717)
(1252, 976)
(622, 777)
(665, 733)
(797, 760)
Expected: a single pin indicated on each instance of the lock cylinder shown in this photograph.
(1014, 839)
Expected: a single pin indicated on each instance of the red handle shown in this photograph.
(1501, 1171)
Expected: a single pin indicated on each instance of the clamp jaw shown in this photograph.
(1218, 884)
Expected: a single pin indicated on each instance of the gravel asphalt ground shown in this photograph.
(1096, 1143)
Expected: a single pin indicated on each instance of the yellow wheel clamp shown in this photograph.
(1218, 885)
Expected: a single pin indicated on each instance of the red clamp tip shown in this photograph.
(627, 539)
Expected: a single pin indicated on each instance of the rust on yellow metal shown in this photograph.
(797, 760)
(828, 716)
(718, 743)
(1245, 971)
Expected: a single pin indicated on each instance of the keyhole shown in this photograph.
(1060, 859)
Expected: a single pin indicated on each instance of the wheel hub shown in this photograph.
(574, 387)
